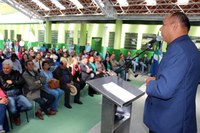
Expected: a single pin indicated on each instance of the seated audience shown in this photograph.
(11, 82)
(34, 90)
(116, 67)
(63, 74)
(56, 92)
(76, 73)
(87, 74)
(16, 63)
(38, 62)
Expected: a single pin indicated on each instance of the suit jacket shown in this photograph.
(33, 84)
(170, 105)
(84, 75)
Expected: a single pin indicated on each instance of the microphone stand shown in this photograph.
(126, 65)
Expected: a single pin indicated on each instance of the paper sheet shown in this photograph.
(119, 92)
(143, 87)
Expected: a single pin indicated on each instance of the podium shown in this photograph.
(118, 96)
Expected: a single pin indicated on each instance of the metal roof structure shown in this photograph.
(104, 10)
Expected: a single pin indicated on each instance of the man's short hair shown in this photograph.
(183, 19)
(8, 62)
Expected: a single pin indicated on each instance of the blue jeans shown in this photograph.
(3, 119)
(18, 104)
(121, 71)
(57, 93)
(2, 115)
(135, 64)
(143, 66)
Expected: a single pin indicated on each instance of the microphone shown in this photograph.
(150, 43)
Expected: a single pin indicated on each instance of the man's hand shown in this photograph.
(9, 81)
(149, 79)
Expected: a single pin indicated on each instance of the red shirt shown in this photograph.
(2, 94)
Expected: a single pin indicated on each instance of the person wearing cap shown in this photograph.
(63, 74)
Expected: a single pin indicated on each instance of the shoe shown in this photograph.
(135, 75)
(38, 114)
(17, 121)
(51, 112)
(78, 102)
(92, 95)
(54, 110)
(68, 106)
(128, 80)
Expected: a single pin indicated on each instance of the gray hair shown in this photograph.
(8, 62)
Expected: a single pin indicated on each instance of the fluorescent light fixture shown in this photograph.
(123, 2)
(182, 2)
(77, 3)
(151, 2)
(40, 4)
(57, 3)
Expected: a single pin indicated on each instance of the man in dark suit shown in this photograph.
(170, 105)
(63, 74)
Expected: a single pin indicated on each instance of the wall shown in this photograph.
(29, 32)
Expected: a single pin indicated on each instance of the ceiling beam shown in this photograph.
(22, 9)
(107, 9)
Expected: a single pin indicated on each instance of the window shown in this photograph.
(12, 34)
(111, 39)
(5, 34)
(54, 36)
(41, 36)
(145, 39)
(131, 41)
(69, 34)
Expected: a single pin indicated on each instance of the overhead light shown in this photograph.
(123, 2)
(182, 2)
(40, 4)
(151, 2)
(57, 3)
(77, 3)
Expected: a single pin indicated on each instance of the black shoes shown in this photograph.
(78, 102)
(68, 106)
(92, 95)
(128, 80)
(135, 75)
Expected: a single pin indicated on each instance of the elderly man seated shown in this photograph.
(11, 82)
(63, 74)
(34, 90)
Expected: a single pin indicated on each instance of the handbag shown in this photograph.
(53, 84)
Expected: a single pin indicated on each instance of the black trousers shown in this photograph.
(67, 93)
(45, 104)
